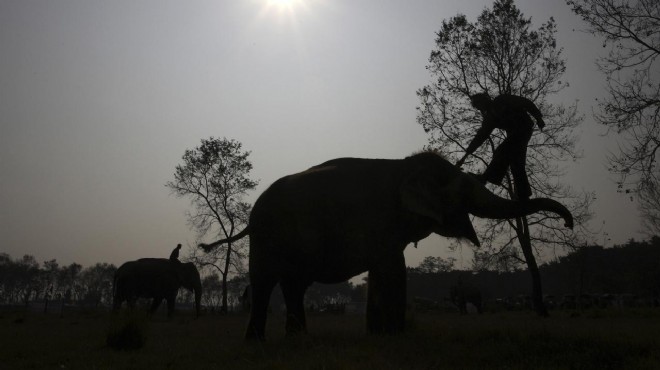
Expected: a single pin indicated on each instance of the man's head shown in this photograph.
(480, 101)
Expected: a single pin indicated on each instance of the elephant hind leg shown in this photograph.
(262, 286)
(293, 290)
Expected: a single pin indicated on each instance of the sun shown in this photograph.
(288, 11)
(283, 4)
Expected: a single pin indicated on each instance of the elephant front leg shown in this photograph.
(386, 296)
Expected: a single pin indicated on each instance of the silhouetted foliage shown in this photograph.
(23, 280)
(212, 291)
(500, 53)
(215, 177)
(631, 31)
(649, 207)
(432, 264)
(321, 295)
(96, 284)
(631, 270)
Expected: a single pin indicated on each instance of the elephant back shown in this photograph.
(148, 276)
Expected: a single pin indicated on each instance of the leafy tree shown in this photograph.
(96, 282)
(6, 287)
(215, 176)
(236, 287)
(19, 278)
(27, 277)
(49, 283)
(67, 279)
(432, 265)
(500, 53)
(212, 291)
(631, 30)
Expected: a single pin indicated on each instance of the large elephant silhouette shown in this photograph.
(350, 215)
(156, 278)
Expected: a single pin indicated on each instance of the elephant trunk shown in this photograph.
(482, 203)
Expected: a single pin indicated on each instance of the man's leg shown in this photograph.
(497, 167)
(518, 160)
(520, 181)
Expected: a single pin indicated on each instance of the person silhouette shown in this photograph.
(510, 113)
(174, 256)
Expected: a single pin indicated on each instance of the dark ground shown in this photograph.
(606, 339)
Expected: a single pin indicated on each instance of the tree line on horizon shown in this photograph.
(630, 269)
(24, 280)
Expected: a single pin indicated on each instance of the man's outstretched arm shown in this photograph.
(482, 134)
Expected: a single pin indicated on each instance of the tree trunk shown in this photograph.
(225, 273)
(526, 246)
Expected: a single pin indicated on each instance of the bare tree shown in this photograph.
(215, 176)
(631, 30)
(500, 53)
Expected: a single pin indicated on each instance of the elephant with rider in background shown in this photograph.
(156, 278)
(463, 293)
(351, 215)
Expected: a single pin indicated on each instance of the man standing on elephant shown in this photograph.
(511, 114)
(174, 256)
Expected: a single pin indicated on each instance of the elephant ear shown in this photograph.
(459, 226)
(440, 201)
(423, 194)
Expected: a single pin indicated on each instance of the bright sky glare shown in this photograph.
(99, 101)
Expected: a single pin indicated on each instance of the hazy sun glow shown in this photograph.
(284, 4)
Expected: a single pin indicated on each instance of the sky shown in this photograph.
(100, 99)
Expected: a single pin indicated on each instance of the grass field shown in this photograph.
(511, 340)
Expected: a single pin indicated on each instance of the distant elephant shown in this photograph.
(156, 278)
(349, 215)
(462, 294)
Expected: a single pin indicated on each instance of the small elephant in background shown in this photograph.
(156, 278)
(461, 294)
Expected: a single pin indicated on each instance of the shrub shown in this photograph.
(128, 333)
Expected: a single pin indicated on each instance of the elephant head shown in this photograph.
(189, 279)
(436, 189)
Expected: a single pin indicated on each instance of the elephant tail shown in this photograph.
(208, 247)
